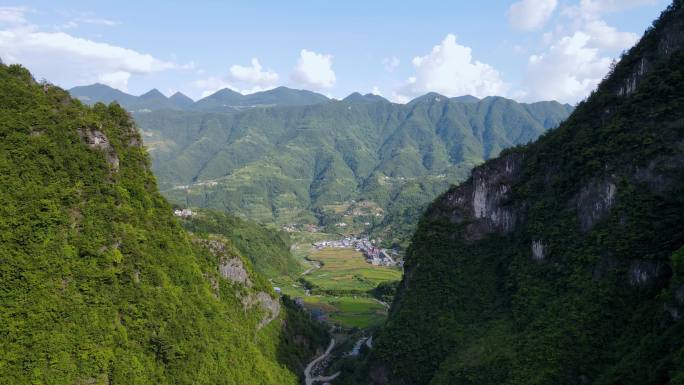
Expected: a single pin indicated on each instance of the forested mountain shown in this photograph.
(290, 164)
(562, 261)
(100, 284)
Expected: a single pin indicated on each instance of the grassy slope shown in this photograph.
(99, 284)
(483, 312)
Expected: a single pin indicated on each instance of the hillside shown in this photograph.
(99, 283)
(304, 164)
(562, 261)
(267, 250)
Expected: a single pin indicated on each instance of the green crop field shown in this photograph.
(347, 270)
(340, 287)
(349, 312)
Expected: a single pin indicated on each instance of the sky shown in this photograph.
(527, 50)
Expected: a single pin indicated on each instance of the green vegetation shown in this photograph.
(584, 284)
(267, 249)
(350, 312)
(289, 164)
(99, 283)
(344, 288)
(344, 271)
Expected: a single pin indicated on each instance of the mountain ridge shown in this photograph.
(397, 156)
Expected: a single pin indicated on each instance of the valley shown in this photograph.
(338, 288)
(266, 235)
(361, 161)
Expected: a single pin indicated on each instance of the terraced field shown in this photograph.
(345, 270)
(339, 288)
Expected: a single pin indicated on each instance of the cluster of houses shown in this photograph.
(309, 227)
(183, 213)
(376, 256)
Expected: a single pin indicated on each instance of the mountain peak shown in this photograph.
(466, 99)
(356, 97)
(430, 97)
(179, 95)
(180, 100)
(153, 93)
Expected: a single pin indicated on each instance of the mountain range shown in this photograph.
(225, 100)
(304, 164)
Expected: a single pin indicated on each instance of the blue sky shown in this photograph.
(526, 50)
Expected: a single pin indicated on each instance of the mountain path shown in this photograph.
(308, 379)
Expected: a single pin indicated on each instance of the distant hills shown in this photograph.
(296, 156)
(312, 163)
(224, 100)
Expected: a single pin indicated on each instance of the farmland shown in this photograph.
(339, 281)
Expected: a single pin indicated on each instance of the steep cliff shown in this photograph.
(99, 284)
(559, 262)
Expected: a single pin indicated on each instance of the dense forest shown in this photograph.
(560, 262)
(100, 284)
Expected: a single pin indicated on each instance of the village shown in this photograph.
(376, 256)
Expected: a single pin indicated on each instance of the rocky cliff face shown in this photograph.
(559, 262)
(481, 201)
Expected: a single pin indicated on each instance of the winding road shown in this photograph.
(309, 380)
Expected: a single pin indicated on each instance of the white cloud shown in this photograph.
(593, 8)
(398, 98)
(450, 70)
(314, 70)
(567, 72)
(118, 79)
(12, 15)
(253, 74)
(530, 15)
(210, 85)
(606, 37)
(99, 21)
(391, 63)
(580, 50)
(68, 60)
(376, 91)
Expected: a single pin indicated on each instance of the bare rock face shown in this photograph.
(538, 250)
(481, 200)
(234, 270)
(631, 83)
(267, 303)
(646, 274)
(96, 139)
(594, 202)
(671, 40)
(230, 267)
